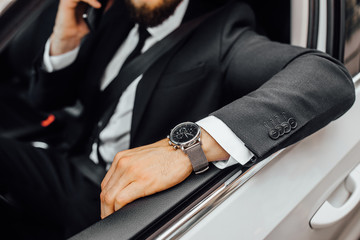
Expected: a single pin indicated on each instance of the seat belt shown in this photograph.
(104, 104)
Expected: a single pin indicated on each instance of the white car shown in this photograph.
(310, 190)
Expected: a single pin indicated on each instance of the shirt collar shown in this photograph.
(170, 24)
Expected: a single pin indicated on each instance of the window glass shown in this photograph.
(352, 37)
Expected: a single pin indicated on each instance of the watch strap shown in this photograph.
(197, 158)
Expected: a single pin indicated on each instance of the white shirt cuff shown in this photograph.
(53, 63)
(227, 140)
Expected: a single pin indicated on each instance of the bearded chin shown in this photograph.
(152, 17)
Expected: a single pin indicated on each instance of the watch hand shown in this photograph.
(186, 134)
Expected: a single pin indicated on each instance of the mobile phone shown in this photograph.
(92, 16)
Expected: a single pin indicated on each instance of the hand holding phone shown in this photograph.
(92, 16)
(68, 30)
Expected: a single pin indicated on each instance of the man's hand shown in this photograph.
(141, 172)
(70, 27)
(146, 170)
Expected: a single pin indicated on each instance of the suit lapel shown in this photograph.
(105, 43)
(151, 77)
(160, 52)
(145, 90)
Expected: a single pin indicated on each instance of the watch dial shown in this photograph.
(184, 132)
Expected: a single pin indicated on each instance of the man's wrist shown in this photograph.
(60, 46)
(177, 152)
(213, 151)
(227, 139)
(187, 137)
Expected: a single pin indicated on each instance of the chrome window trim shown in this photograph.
(356, 80)
(190, 218)
(322, 30)
(299, 22)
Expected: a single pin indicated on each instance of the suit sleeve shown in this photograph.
(59, 88)
(297, 91)
(54, 63)
(227, 140)
(54, 90)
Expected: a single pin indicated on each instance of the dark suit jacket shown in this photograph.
(223, 68)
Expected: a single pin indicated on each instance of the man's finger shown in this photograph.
(118, 180)
(132, 192)
(117, 158)
(93, 3)
(75, 3)
(108, 197)
(106, 208)
(111, 170)
(116, 171)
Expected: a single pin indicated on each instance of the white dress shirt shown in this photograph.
(115, 137)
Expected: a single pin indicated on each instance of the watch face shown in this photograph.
(184, 133)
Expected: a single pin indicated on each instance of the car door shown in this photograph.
(280, 197)
(310, 190)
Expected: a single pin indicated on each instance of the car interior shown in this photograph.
(23, 41)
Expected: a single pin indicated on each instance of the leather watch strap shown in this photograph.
(197, 158)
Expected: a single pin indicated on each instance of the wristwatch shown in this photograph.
(187, 137)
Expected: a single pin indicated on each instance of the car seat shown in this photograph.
(16, 67)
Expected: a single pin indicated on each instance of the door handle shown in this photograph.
(328, 215)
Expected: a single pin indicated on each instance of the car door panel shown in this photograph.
(279, 202)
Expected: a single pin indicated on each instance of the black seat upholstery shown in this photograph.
(273, 18)
(17, 58)
(16, 68)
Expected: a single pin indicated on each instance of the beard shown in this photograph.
(151, 17)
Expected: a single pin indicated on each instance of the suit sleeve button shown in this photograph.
(280, 129)
(292, 122)
(286, 126)
(274, 134)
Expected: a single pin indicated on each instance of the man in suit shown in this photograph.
(177, 61)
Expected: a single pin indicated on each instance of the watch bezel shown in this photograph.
(189, 143)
